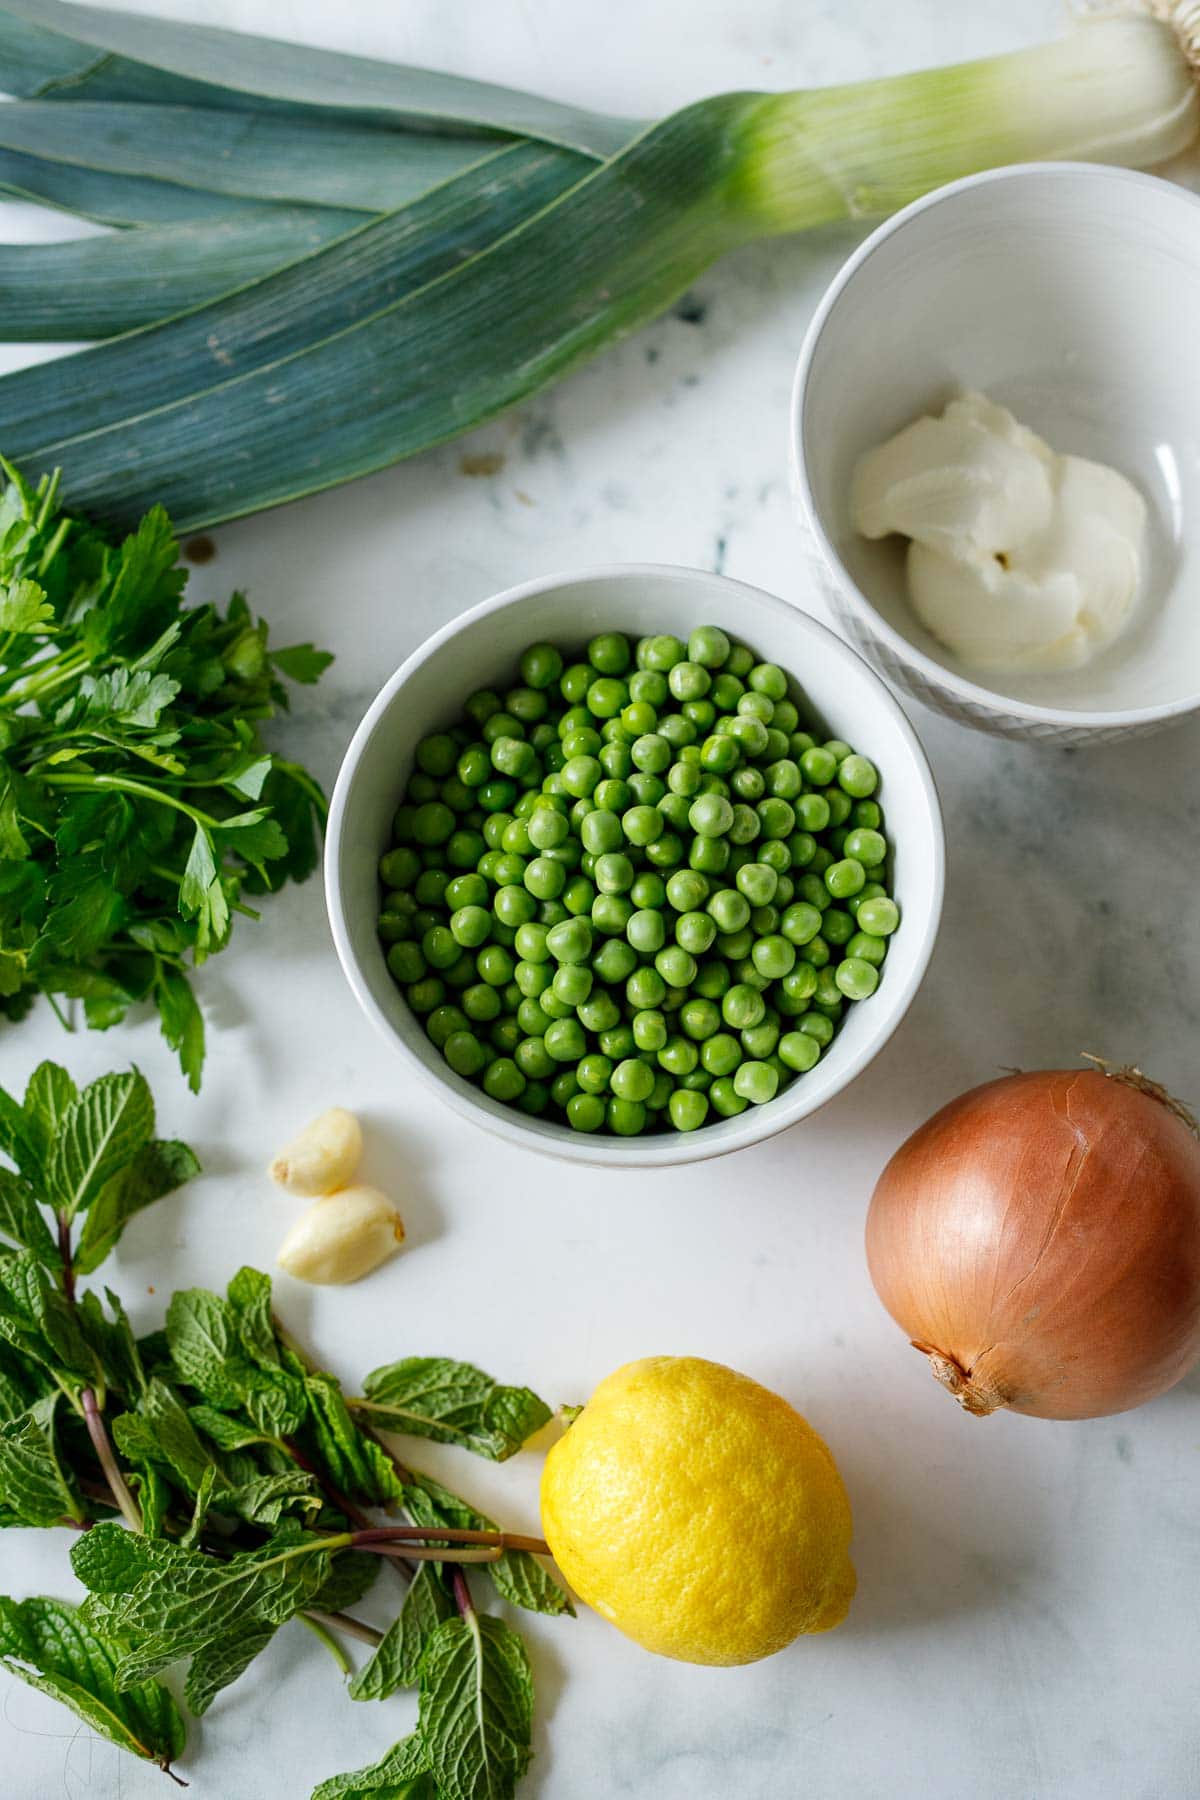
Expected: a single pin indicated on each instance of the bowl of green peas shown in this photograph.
(635, 866)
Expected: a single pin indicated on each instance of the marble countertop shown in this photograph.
(1026, 1626)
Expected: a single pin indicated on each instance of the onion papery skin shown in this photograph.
(1039, 1240)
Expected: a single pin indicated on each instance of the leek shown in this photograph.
(434, 316)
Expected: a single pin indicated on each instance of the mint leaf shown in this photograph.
(476, 1709)
(394, 1664)
(201, 1332)
(160, 1432)
(22, 1220)
(158, 1168)
(227, 1431)
(200, 1510)
(171, 1602)
(98, 1134)
(400, 1775)
(249, 1295)
(355, 1463)
(47, 1644)
(34, 1486)
(113, 1342)
(216, 1665)
(48, 1096)
(37, 1321)
(452, 1403)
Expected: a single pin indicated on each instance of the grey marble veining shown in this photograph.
(1026, 1623)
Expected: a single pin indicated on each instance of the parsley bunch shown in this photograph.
(220, 1486)
(138, 803)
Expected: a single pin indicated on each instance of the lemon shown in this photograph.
(699, 1513)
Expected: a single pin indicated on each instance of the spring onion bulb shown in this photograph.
(1039, 1240)
(425, 321)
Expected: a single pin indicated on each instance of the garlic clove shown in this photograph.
(342, 1237)
(323, 1158)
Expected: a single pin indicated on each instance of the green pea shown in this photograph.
(757, 881)
(812, 810)
(399, 868)
(432, 823)
(648, 891)
(535, 1099)
(684, 778)
(405, 961)
(563, 1087)
(541, 666)
(610, 652)
(773, 956)
(626, 1117)
(652, 754)
(546, 828)
(570, 942)
(724, 1098)
(642, 825)
(612, 795)
(586, 1112)
(721, 1053)
(678, 1056)
(713, 980)
(574, 682)
(676, 967)
(649, 685)
(688, 1110)
(816, 1025)
(839, 805)
(867, 813)
(599, 1012)
(645, 989)
(601, 832)
(593, 1072)
(533, 1019)
(756, 1082)
(637, 720)
(565, 1040)
(480, 1002)
(869, 949)
(514, 906)
(799, 1050)
(465, 1054)
(695, 932)
(646, 931)
(666, 852)
(443, 1021)
(617, 1042)
(572, 983)
(606, 697)
(503, 1080)
(878, 917)
(632, 1079)
(844, 878)
(742, 1006)
(611, 913)
(699, 1018)
(857, 776)
(470, 926)
(729, 908)
(649, 1029)
(615, 961)
(614, 873)
(856, 977)
(816, 952)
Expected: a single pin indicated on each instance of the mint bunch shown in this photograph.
(221, 1486)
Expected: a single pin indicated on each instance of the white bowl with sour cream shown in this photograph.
(1068, 293)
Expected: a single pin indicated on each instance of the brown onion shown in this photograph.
(1039, 1240)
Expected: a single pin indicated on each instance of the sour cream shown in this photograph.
(1019, 559)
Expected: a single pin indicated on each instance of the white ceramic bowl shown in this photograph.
(480, 649)
(1070, 293)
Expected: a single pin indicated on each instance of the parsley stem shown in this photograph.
(127, 1506)
(122, 784)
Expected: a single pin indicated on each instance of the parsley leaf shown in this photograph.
(130, 743)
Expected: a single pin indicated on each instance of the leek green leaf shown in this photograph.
(78, 52)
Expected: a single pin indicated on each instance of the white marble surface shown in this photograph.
(1026, 1625)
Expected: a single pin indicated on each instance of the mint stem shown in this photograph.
(321, 1631)
(398, 1534)
(64, 1251)
(127, 1506)
(462, 1594)
(348, 1626)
